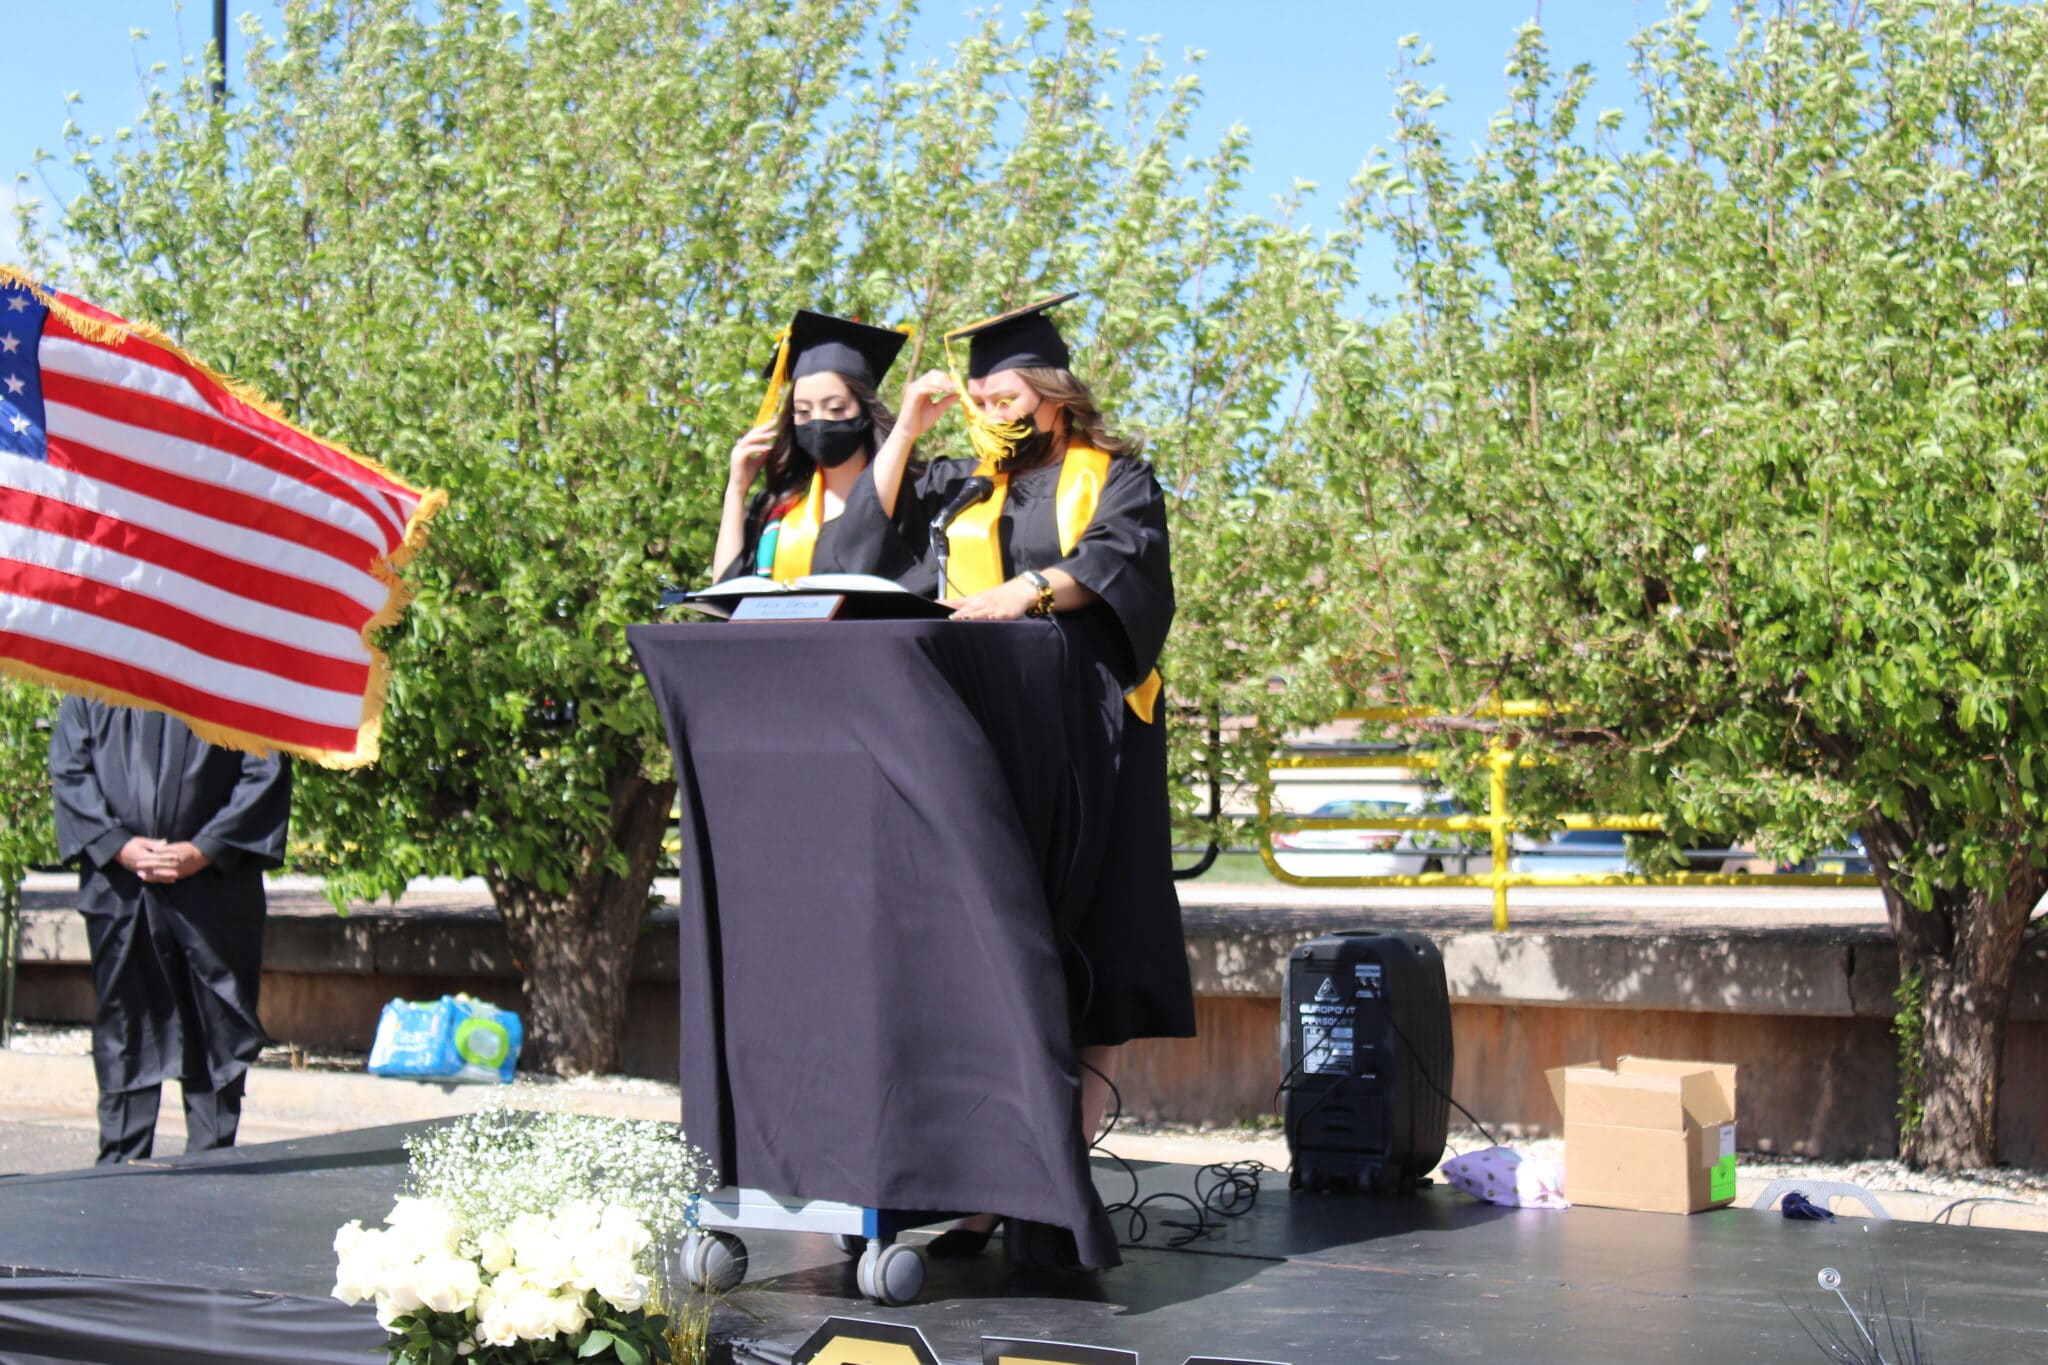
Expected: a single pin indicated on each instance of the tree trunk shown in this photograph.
(575, 949)
(1963, 953)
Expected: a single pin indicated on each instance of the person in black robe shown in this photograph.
(834, 443)
(173, 836)
(1109, 586)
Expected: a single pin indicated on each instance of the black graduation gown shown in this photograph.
(861, 539)
(176, 965)
(1127, 960)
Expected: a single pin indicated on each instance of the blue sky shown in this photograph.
(1309, 78)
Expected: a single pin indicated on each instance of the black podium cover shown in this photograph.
(883, 827)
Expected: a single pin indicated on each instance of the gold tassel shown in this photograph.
(771, 401)
(993, 442)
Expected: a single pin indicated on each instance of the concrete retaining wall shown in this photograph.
(1804, 1013)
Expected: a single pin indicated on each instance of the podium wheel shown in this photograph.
(849, 1244)
(714, 1261)
(896, 1276)
(864, 1269)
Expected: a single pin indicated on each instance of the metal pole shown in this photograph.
(220, 50)
(10, 949)
(1499, 760)
(1208, 860)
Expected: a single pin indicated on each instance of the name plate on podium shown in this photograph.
(795, 606)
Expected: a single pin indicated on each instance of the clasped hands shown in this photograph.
(155, 860)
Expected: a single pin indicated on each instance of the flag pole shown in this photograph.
(220, 50)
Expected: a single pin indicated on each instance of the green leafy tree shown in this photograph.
(1729, 443)
(25, 828)
(536, 261)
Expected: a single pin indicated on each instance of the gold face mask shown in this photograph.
(995, 443)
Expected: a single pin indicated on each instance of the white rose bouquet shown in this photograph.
(524, 1238)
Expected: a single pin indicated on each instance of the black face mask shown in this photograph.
(1029, 452)
(831, 444)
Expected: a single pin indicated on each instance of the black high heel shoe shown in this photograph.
(1041, 1247)
(957, 1244)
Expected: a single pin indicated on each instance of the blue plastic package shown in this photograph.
(454, 1038)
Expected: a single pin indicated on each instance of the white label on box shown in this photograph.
(1727, 1140)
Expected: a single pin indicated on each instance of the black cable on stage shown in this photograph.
(1340, 1082)
(1291, 1133)
(1231, 1192)
(1416, 1057)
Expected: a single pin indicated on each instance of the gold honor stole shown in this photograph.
(977, 560)
(797, 534)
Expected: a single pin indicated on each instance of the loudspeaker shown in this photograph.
(1369, 1061)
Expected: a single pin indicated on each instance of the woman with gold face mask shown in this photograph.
(823, 453)
(1073, 530)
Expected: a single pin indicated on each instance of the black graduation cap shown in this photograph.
(819, 342)
(1022, 337)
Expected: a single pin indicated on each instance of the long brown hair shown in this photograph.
(1084, 421)
(788, 470)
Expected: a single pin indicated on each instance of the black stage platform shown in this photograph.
(228, 1259)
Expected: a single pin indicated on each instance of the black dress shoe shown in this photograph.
(957, 1244)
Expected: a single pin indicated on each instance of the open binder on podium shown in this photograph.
(816, 597)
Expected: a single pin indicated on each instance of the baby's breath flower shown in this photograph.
(490, 1167)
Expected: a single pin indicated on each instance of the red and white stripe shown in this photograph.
(189, 551)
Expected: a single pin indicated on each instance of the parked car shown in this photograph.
(1381, 852)
(1849, 858)
(1342, 840)
(1431, 850)
(1604, 852)
(1572, 853)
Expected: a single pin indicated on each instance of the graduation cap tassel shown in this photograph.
(993, 442)
(771, 401)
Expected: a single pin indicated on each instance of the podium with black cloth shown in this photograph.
(883, 833)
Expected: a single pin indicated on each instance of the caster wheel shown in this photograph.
(849, 1244)
(896, 1276)
(864, 1269)
(714, 1261)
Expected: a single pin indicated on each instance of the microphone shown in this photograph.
(977, 489)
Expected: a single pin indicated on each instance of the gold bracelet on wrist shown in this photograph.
(1043, 606)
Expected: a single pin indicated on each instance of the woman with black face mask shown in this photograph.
(823, 454)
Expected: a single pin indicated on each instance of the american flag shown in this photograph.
(167, 542)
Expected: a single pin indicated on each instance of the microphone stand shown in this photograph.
(976, 490)
(942, 550)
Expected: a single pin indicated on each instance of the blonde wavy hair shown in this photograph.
(1085, 424)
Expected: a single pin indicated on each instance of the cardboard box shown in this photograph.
(1652, 1135)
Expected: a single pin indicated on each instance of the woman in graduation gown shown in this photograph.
(1075, 529)
(825, 454)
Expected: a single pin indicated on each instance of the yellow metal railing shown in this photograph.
(1498, 823)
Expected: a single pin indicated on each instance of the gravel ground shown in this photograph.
(1997, 1185)
(66, 1040)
